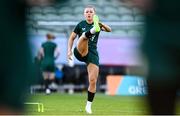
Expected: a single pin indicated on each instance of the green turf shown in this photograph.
(65, 104)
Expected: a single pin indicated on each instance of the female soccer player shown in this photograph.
(48, 53)
(86, 50)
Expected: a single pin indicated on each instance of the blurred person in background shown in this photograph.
(161, 47)
(48, 53)
(15, 60)
(86, 49)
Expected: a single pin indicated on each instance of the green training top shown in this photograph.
(49, 48)
(83, 26)
(48, 61)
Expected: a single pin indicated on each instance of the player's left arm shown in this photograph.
(57, 53)
(104, 27)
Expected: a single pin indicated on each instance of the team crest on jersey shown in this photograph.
(83, 29)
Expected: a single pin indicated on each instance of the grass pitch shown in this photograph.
(74, 104)
(65, 104)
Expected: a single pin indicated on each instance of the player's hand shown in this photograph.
(104, 27)
(69, 55)
(100, 24)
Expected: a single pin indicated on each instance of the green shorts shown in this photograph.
(48, 65)
(91, 57)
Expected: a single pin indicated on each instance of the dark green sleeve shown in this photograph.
(77, 29)
(42, 45)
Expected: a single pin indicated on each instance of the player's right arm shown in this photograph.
(70, 44)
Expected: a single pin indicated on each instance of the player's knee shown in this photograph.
(92, 81)
(84, 36)
(84, 53)
(51, 78)
(88, 34)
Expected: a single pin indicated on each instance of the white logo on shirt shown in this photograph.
(92, 39)
(83, 29)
